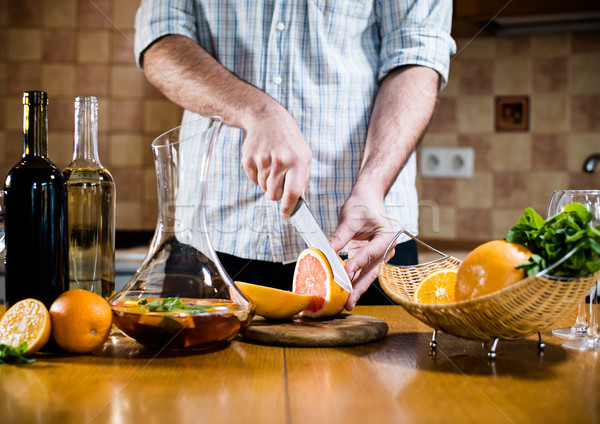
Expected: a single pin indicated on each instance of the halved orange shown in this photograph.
(437, 287)
(26, 321)
(313, 275)
(274, 303)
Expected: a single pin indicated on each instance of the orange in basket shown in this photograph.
(437, 287)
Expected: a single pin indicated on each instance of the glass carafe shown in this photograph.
(181, 297)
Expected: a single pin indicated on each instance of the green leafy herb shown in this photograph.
(172, 304)
(14, 355)
(550, 240)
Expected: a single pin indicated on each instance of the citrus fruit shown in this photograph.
(81, 320)
(437, 287)
(28, 321)
(490, 267)
(274, 303)
(313, 275)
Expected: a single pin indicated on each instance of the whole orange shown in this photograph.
(490, 267)
(81, 320)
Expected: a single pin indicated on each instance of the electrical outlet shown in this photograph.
(446, 162)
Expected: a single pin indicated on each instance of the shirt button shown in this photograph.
(280, 26)
(277, 79)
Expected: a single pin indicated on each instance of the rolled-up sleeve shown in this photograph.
(157, 18)
(416, 32)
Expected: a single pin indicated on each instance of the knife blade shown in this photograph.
(306, 224)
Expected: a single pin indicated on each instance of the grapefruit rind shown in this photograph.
(274, 303)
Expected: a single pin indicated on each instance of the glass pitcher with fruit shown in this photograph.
(181, 297)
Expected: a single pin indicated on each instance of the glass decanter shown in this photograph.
(181, 297)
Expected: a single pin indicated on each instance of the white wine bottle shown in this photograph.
(91, 207)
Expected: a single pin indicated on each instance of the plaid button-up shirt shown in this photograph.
(323, 60)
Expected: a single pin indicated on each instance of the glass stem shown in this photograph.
(581, 322)
(593, 320)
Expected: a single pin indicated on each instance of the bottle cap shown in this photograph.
(35, 98)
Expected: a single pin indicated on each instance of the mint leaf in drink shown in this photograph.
(171, 304)
(14, 355)
(554, 238)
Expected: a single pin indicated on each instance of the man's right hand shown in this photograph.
(276, 157)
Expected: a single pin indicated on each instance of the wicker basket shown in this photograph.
(527, 307)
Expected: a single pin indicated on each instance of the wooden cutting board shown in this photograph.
(343, 330)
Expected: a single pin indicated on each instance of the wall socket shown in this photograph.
(446, 162)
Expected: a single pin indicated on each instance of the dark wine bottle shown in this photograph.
(35, 214)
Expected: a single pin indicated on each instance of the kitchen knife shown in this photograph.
(306, 224)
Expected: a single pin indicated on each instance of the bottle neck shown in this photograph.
(85, 149)
(35, 128)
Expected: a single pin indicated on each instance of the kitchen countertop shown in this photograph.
(394, 380)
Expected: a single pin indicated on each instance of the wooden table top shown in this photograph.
(394, 380)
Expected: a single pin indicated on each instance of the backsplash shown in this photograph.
(75, 48)
(560, 75)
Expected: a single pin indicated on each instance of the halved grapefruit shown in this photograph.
(313, 275)
(274, 303)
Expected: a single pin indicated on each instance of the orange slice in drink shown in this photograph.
(274, 303)
(313, 275)
(26, 321)
(437, 287)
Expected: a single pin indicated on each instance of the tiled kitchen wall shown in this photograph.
(561, 75)
(72, 48)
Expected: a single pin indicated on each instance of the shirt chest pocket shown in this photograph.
(359, 9)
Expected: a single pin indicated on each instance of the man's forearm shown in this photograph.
(194, 80)
(403, 108)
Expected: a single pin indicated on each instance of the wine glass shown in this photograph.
(590, 340)
(557, 202)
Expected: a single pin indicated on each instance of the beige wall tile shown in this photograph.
(512, 46)
(122, 47)
(585, 73)
(59, 45)
(161, 115)
(476, 192)
(440, 140)
(92, 80)
(94, 14)
(126, 115)
(60, 147)
(93, 47)
(511, 189)
(475, 114)
(150, 189)
(24, 44)
(23, 76)
(13, 150)
(129, 214)
(3, 141)
(512, 76)
(550, 45)
(13, 112)
(127, 81)
(59, 79)
(128, 181)
(126, 149)
(475, 48)
(541, 186)
(61, 13)
(549, 112)
(503, 219)
(439, 190)
(580, 146)
(104, 113)
(436, 221)
(474, 224)
(124, 13)
(511, 151)
(61, 113)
